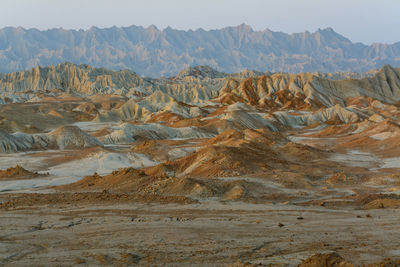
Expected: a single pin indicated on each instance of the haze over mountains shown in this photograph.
(227, 163)
(153, 52)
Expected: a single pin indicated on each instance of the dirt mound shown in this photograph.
(335, 260)
(12, 201)
(234, 153)
(18, 172)
(383, 203)
(323, 260)
(380, 201)
(213, 161)
(132, 181)
(386, 263)
(217, 161)
(206, 188)
(160, 150)
(360, 201)
(339, 177)
(125, 180)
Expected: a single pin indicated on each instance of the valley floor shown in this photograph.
(206, 234)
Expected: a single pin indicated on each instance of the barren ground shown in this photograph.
(210, 233)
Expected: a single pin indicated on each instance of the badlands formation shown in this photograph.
(204, 168)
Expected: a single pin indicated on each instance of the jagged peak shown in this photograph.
(239, 28)
(152, 27)
(94, 28)
(244, 27)
(200, 72)
(228, 49)
(328, 29)
(246, 73)
(331, 33)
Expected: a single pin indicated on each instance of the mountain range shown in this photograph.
(154, 52)
(288, 153)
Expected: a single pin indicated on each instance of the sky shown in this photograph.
(366, 21)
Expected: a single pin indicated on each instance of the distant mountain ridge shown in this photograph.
(153, 52)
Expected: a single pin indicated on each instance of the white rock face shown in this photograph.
(151, 105)
(70, 137)
(69, 77)
(9, 143)
(101, 162)
(33, 141)
(240, 106)
(129, 133)
(345, 115)
(245, 120)
(65, 137)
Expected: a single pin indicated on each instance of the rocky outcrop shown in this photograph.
(200, 72)
(307, 90)
(64, 137)
(128, 133)
(237, 101)
(9, 143)
(199, 85)
(332, 115)
(144, 110)
(71, 137)
(328, 259)
(18, 172)
(68, 77)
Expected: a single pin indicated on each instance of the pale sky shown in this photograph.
(364, 21)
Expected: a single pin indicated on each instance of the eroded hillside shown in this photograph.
(230, 147)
